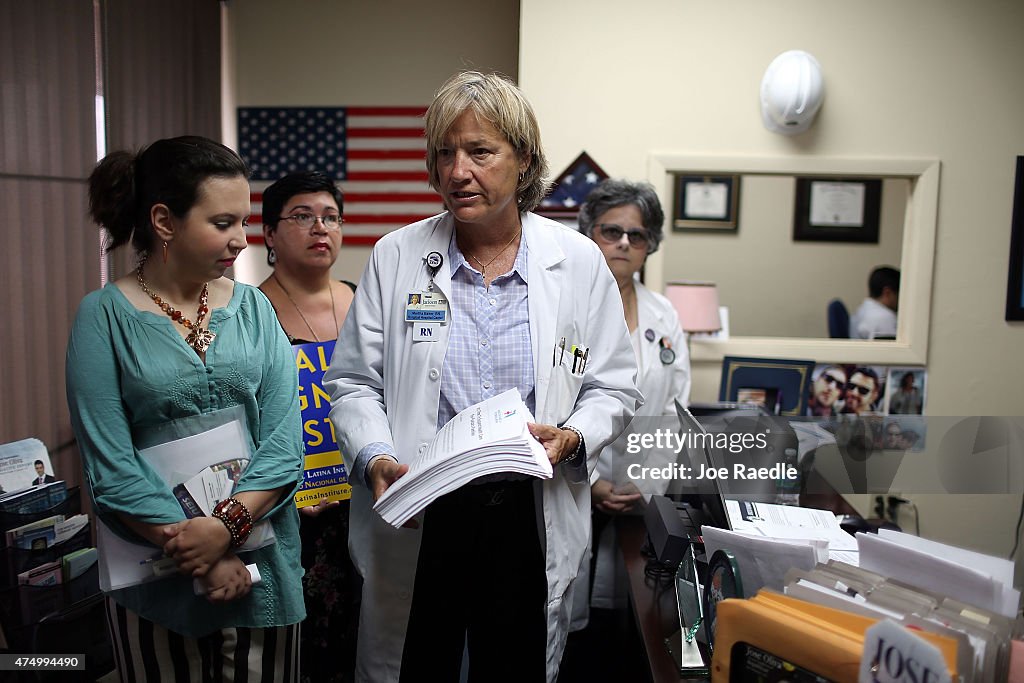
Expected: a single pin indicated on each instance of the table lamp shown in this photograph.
(696, 303)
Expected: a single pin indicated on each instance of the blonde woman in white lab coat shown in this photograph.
(490, 567)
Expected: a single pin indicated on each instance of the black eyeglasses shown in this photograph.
(611, 233)
(859, 388)
(833, 380)
(306, 221)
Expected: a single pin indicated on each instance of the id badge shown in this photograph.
(426, 307)
(426, 332)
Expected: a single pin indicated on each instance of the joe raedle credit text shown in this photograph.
(735, 443)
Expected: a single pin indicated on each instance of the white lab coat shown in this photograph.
(386, 388)
(661, 385)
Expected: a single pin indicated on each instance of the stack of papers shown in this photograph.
(968, 576)
(768, 540)
(787, 522)
(216, 457)
(488, 438)
(983, 636)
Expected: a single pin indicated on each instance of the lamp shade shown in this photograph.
(696, 303)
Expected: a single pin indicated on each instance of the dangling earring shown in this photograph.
(165, 252)
(521, 176)
(271, 257)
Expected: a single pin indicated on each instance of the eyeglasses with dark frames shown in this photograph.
(833, 380)
(611, 233)
(859, 388)
(331, 222)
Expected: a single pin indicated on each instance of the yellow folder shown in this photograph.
(825, 641)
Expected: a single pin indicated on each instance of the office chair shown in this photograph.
(838, 320)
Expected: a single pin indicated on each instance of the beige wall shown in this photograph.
(913, 79)
(773, 286)
(358, 52)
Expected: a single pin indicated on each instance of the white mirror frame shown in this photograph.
(916, 264)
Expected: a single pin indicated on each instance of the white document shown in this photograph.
(762, 561)
(123, 563)
(195, 453)
(17, 463)
(788, 521)
(490, 437)
(820, 595)
(851, 557)
(940, 569)
(69, 527)
(999, 568)
(208, 488)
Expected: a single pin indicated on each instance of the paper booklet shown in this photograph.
(213, 461)
(490, 437)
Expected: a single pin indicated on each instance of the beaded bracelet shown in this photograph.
(236, 518)
(580, 447)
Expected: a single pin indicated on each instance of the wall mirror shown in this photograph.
(777, 289)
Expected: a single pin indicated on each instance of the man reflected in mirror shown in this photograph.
(875, 318)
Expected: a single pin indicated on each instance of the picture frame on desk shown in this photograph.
(706, 203)
(787, 380)
(1015, 279)
(837, 210)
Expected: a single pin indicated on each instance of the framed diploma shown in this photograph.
(706, 203)
(837, 210)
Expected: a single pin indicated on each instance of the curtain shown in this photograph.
(157, 64)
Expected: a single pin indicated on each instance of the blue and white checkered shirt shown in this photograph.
(489, 349)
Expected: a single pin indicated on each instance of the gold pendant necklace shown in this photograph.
(334, 310)
(483, 266)
(198, 338)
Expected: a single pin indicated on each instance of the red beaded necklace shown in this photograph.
(198, 338)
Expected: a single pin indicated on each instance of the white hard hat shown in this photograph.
(791, 92)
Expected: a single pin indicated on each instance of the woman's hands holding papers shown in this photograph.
(559, 444)
(384, 472)
(607, 500)
(197, 544)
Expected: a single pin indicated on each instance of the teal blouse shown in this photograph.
(129, 373)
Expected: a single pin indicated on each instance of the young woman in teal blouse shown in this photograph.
(176, 348)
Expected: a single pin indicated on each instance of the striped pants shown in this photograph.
(148, 653)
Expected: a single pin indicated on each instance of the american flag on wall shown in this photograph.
(377, 153)
(571, 188)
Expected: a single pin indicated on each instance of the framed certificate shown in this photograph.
(837, 210)
(706, 203)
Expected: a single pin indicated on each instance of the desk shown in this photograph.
(654, 608)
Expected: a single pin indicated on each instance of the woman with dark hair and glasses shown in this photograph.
(625, 220)
(302, 221)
